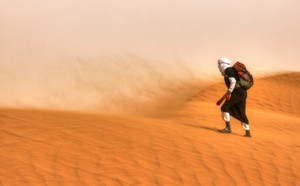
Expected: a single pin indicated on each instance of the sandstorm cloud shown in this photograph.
(100, 54)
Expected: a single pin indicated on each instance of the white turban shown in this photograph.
(223, 63)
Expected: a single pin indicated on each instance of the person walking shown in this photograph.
(235, 97)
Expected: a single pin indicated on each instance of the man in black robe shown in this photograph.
(235, 104)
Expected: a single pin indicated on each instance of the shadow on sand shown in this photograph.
(210, 128)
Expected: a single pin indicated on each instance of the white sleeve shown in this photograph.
(232, 84)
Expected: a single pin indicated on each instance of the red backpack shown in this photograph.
(246, 79)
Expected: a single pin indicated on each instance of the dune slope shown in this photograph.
(60, 148)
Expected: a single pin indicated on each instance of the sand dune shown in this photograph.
(61, 148)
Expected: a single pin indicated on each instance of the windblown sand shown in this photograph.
(61, 148)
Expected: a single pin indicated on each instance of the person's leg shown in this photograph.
(247, 129)
(226, 109)
(226, 118)
(236, 108)
(244, 119)
(239, 112)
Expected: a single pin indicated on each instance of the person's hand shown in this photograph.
(228, 97)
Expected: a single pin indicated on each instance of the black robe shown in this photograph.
(236, 106)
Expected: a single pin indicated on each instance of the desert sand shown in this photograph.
(40, 147)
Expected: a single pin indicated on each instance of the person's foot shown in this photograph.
(226, 130)
(247, 133)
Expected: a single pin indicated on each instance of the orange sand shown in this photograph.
(61, 148)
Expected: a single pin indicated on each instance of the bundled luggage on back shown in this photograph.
(246, 79)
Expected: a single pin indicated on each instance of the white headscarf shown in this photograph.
(223, 63)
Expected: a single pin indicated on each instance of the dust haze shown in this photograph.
(138, 57)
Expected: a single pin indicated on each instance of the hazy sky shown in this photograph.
(196, 31)
(45, 39)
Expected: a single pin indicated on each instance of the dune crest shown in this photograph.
(64, 148)
(277, 93)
